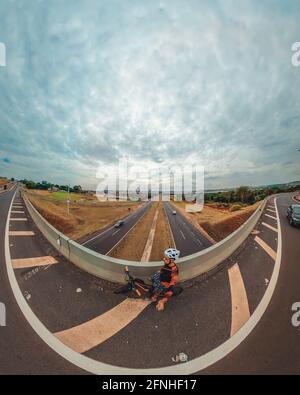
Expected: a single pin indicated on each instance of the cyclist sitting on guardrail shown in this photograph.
(165, 279)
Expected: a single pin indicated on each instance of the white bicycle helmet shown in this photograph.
(172, 253)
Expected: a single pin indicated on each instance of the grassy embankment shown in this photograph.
(3, 182)
(87, 215)
(216, 219)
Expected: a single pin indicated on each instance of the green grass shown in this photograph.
(61, 195)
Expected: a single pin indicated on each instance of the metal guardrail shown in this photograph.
(112, 269)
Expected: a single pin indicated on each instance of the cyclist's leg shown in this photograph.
(167, 295)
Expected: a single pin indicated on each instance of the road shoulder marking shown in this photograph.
(270, 227)
(266, 247)
(271, 216)
(240, 312)
(21, 233)
(32, 262)
(92, 333)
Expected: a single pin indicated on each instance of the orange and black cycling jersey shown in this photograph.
(168, 274)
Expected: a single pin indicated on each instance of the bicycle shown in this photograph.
(138, 288)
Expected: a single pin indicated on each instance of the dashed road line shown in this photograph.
(90, 334)
(182, 234)
(270, 216)
(240, 312)
(31, 262)
(21, 233)
(266, 247)
(270, 227)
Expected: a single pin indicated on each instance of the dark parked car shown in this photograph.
(119, 223)
(293, 214)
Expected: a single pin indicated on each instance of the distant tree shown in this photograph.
(220, 198)
(251, 198)
(243, 193)
(77, 188)
(30, 184)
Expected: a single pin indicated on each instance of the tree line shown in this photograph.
(246, 195)
(45, 185)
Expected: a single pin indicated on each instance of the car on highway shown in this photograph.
(293, 214)
(119, 223)
(174, 212)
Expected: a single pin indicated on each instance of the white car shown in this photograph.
(174, 212)
(119, 223)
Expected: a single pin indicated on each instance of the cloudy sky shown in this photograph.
(169, 82)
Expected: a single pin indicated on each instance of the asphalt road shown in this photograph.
(201, 314)
(273, 347)
(106, 240)
(187, 238)
(22, 350)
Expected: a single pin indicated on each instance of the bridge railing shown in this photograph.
(112, 269)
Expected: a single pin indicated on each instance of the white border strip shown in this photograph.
(97, 367)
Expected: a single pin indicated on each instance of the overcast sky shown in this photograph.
(169, 81)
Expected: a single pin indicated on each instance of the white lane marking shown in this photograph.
(21, 233)
(18, 212)
(148, 247)
(83, 337)
(240, 312)
(272, 211)
(18, 219)
(31, 262)
(95, 237)
(117, 231)
(266, 247)
(270, 216)
(270, 227)
(102, 233)
(165, 205)
(182, 235)
(122, 238)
